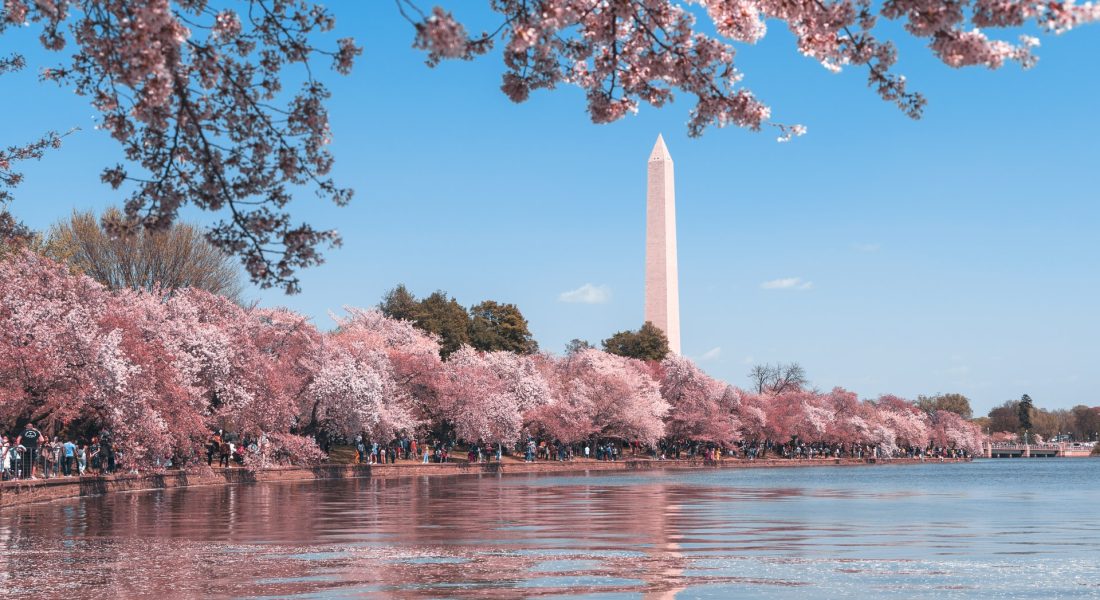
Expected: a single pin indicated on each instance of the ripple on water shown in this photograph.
(934, 531)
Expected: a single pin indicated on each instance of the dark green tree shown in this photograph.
(446, 318)
(400, 303)
(1023, 412)
(647, 343)
(495, 326)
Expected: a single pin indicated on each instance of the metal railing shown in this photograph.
(20, 463)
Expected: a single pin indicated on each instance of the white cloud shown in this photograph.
(712, 354)
(587, 294)
(865, 247)
(787, 283)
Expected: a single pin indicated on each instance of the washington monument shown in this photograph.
(662, 285)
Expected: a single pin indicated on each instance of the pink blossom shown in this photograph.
(623, 54)
(596, 394)
(702, 409)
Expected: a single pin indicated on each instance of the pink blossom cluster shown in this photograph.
(193, 90)
(626, 52)
(164, 369)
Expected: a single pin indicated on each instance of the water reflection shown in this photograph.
(958, 531)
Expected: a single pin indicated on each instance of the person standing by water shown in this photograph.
(212, 446)
(51, 452)
(15, 455)
(30, 438)
(94, 453)
(223, 453)
(82, 458)
(68, 450)
(5, 459)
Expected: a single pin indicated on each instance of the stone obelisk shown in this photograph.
(662, 286)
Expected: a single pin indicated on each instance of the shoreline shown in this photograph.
(25, 492)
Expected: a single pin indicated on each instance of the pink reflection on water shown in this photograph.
(418, 538)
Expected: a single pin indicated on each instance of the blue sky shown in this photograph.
(957, 253)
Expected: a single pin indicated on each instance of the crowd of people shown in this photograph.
(533, 449)
(796, 449)
(30, 454)
(227, 449)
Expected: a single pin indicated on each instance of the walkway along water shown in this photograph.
(13, 493)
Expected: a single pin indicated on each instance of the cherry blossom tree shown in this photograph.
(702, 408)
(243, 382)
(195, 94)
(160, 413)
(159, 371)
(355, 391)
(286, 448)
(72, 353)
(623, 53)
(520, 377)
(294, 344)
(751, 411)
(783, 415)
(486, 394)
(949, 430)
(849, 418)
(413, 355)
(796, 413)
(603, 395)
(56, 362)
(568, 414)
(909, 423)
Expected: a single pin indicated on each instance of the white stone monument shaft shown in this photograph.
(662, 286)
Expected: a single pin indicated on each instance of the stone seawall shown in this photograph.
(14, 493)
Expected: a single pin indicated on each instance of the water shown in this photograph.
(991, 529)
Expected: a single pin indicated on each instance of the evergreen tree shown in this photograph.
(647, 343)
(495, 326)
(446, 318)
(399, 303)
(1024, 412)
